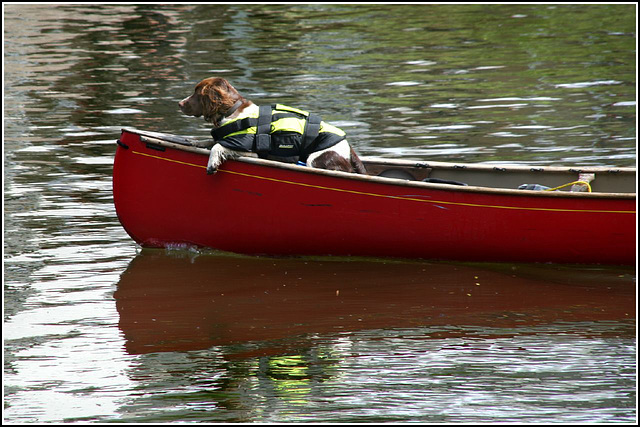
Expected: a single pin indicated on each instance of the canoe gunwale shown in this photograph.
(186, 144)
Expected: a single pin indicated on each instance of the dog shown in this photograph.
(301, 137)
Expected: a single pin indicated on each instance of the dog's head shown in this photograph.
(212, 99)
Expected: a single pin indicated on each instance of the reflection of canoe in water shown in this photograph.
(163, 196)
(169, 302)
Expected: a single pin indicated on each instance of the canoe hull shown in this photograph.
(165, 198)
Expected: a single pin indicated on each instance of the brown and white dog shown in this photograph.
(218, 102)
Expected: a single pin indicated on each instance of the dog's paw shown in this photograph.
(214, 160)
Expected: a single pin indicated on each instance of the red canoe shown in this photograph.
(163, 197)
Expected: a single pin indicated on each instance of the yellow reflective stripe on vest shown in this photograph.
(288, 124)
(326, 127)
(291, 125)
(251, 130)
(281, 107)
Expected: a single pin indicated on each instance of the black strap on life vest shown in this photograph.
(311, 132)
(262, 143)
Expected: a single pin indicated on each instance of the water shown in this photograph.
(96, 329)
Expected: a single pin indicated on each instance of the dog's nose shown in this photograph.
(184, 106)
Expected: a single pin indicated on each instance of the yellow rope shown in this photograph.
(571, 183)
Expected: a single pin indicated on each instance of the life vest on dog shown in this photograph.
(279, 133)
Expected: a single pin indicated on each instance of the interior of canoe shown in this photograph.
(615, 180)
(513, 177)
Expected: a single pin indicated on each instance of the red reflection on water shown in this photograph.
(170, 302)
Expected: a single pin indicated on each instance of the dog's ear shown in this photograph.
(217, 97)
(209, 100)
